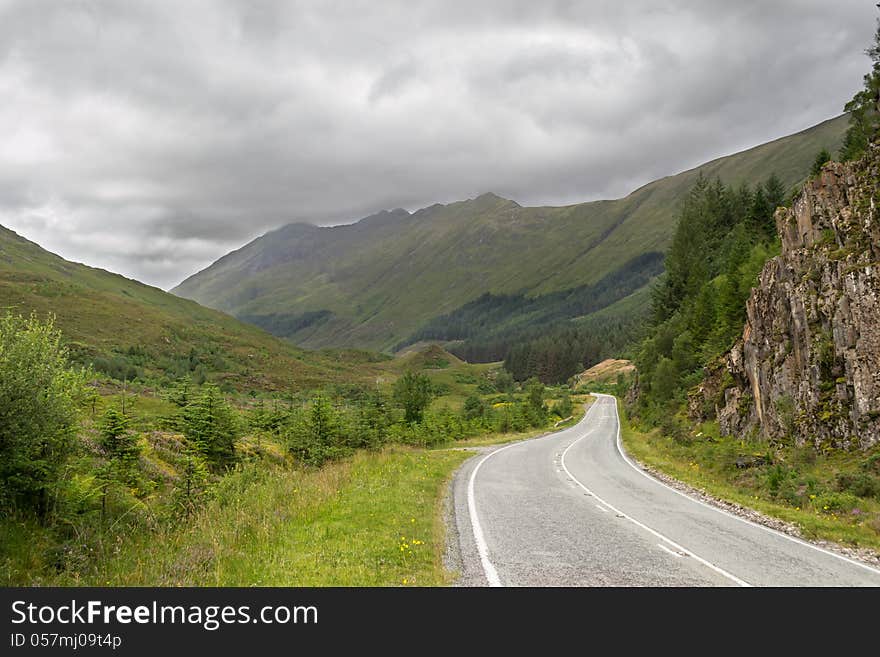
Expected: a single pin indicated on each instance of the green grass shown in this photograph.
(371, 520)
(384, 278)
(806, 495)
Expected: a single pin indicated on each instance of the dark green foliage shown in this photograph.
(287, 324)
(494, 314)
(564, 408)
(775, 191)
(860, 484)
(504, 381)
(212, 426)
(535, 406)
(116, 367)
(535, 334)
(822, 157)
(315, 436)
(722, 241)
(864, 119)
(474, 407)
(413, 392)
(39, 394)
(371, 423)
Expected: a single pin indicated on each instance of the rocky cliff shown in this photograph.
(807, 367)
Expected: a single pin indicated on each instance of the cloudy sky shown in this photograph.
(152, 137)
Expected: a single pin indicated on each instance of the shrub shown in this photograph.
(39, 394)
(860, 484)
(835, 502)
(413, 391)
(473, 408)
(564, 407)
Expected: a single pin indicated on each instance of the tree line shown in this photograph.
(723, 237)
(535, 336)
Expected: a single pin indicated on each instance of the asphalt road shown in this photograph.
(569, 509)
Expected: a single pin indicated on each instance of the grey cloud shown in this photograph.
(152, 137)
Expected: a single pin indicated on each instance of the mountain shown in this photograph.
(125, 328)
(806, 366)
(377, 282)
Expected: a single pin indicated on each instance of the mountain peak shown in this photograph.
(492, 196)
(383, 217)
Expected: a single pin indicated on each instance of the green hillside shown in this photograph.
(125, 328)
(375, 283)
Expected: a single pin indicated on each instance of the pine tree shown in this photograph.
(191, 487)
(775, 192)
(864, 108)
(212, 426)
(116, 438)
(822, 157)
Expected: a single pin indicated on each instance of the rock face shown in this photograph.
(807, 367)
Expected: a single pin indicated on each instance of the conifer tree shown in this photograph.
(212, 427)
(864, 108)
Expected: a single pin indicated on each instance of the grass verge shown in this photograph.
(796, 485)
(370, 520)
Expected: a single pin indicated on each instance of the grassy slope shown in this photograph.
(386, 275)
(101, 314)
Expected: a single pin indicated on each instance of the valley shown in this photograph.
(299, 413)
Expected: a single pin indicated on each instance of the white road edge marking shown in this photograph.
(601, 508)
(672, 552)
(722, 511)
(620, 513)
(480, 538)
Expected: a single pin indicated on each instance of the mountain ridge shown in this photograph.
(362, 276)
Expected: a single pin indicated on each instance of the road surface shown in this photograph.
(569, 509)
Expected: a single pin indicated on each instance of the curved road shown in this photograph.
(569, 509)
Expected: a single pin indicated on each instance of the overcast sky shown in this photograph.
(152, 137)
